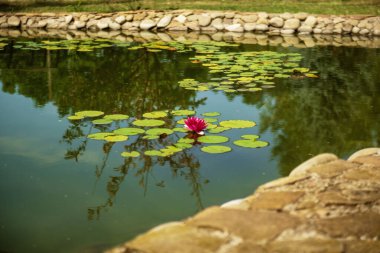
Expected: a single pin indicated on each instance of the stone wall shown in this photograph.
(325, 205)
(205, 21)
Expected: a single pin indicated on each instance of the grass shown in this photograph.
(369, 7)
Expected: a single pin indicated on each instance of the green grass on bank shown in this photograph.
(370, 7)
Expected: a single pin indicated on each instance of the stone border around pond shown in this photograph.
(205, 21)
(325, 205)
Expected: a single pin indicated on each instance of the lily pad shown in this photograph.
(183, 112)
(251, 143)
(129, 131)
(99, 136)
(185, 140)
(159, 131)
(155, 153)
(250, 136)
(181, 122)
(211, 114)
(116, 117)
(130, 154)
(155, 115)
(180, 129)
(102, 121)
(183, 145)
(151, 137)
(89, 114)
(212, 139)
(216, 149)
(217, 130)
(148, 122)
(75, 117)
(237, 123)
(116, 138)
(210, 120)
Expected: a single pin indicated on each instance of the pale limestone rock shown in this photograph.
(305, 29)
(338, 20)
(3, 19)
(30, 22)
(310, 21)
(337, 30)
(261, 27)
(217, 23)
(292, 24)
(192, 18)
(194, 25)
(364, 31)
(102, 24)
(181, 19)
(165, 21)
(147, 24)
(235, 28)
(139, 16)
(208, 29)
(43, 23)
(355, 29)
(301, 16)
(204, 20)
(229, 15)
(83, 18)
(114, 26)
(13, 21)
(176, 26)
(120, 19)
(79, 24)
(249, 18)
(286, 16)
(262, 15)
(23, 20)
(353, 22)
(276, 22)
(216, 14)
(126, 26)
(91, 24)
(129, 17)
(248, 27)
(263, 21)
(376, 29)
(287, 31)
(136, 24)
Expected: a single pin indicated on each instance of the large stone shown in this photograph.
(286, 16)
(114, 26)
(68, 19)
(164, 21)
(305, 29)
(139, 16)
(314, 161)
(249, 18)
(376, 30)
(120, 19)
(287, 31)
(102, 24)
(194, 26)
(126, 26)
(313, 245)
(261, 27)
(275, 200)
(276, 22)
(176, 26)
(248, 27)
(14, 21)
(301, 15)
(333, 168)
(292, 23)
(79, 24)
(181, 19)
(310, 21)
(147, 24)
(204, 20)
(235, 28)
(129, 17)
(217, 23)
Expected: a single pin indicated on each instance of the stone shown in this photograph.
(312, 245)
(360, 246)
(52, 24)
(68, 19)
(79, 24)
(376, 30)
(255, 225)
(147, 24)
(102, 24)
(43, 23)
(287, 31)
(261, 27)
(217, 23)
(139, 16)
(164, 21)
(129, 17)
(14, 21)
(292, 23)
(91, 24)
(347, 28)
(192, 18)
(194, 26)
(276, 22)
(275, 200)
(286, 16)
(284, 181)
(114, 26)
(208, 29)
(216, 14)
(333, 168)
(23, 20)
(204, 20)
(181, 19)
(262, 21)
(301, 15)
(176, 26)
(338, 20)
(120, 19)
(355, 30)
(249, 18)
(262, 15)
(3, 19)
(235, 28)
(305, 29)
(314, 161)
(230, 15)
(310, 21)
(248, 27)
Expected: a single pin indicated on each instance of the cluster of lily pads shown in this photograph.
(246, 71)
(152, 127)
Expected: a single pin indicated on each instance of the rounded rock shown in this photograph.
(292, 23)
(276, 22)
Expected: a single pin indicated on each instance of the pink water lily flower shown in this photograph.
(195, 124)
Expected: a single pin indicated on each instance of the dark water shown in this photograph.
(62, 193)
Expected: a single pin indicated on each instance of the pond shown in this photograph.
(61, 191)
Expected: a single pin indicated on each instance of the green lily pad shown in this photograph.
(211, 126)
(217, 130)
(180, 129)
(210, 120)
(116, 138)
(237, 123)
(185, 140)
(148, 122)
(102, 121)
(216, 149)
(130, 154)
(151, 137)
(183, 145)
(155, 153)
(99, 136)
(159, 131)
(75, 117)
(250, 136)
(129, 131)
(89, 114)
(116, 117)
(183, 112)
(212, 139)
(181, 122)
(155, 115)
(211, 114)
(251, 143)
